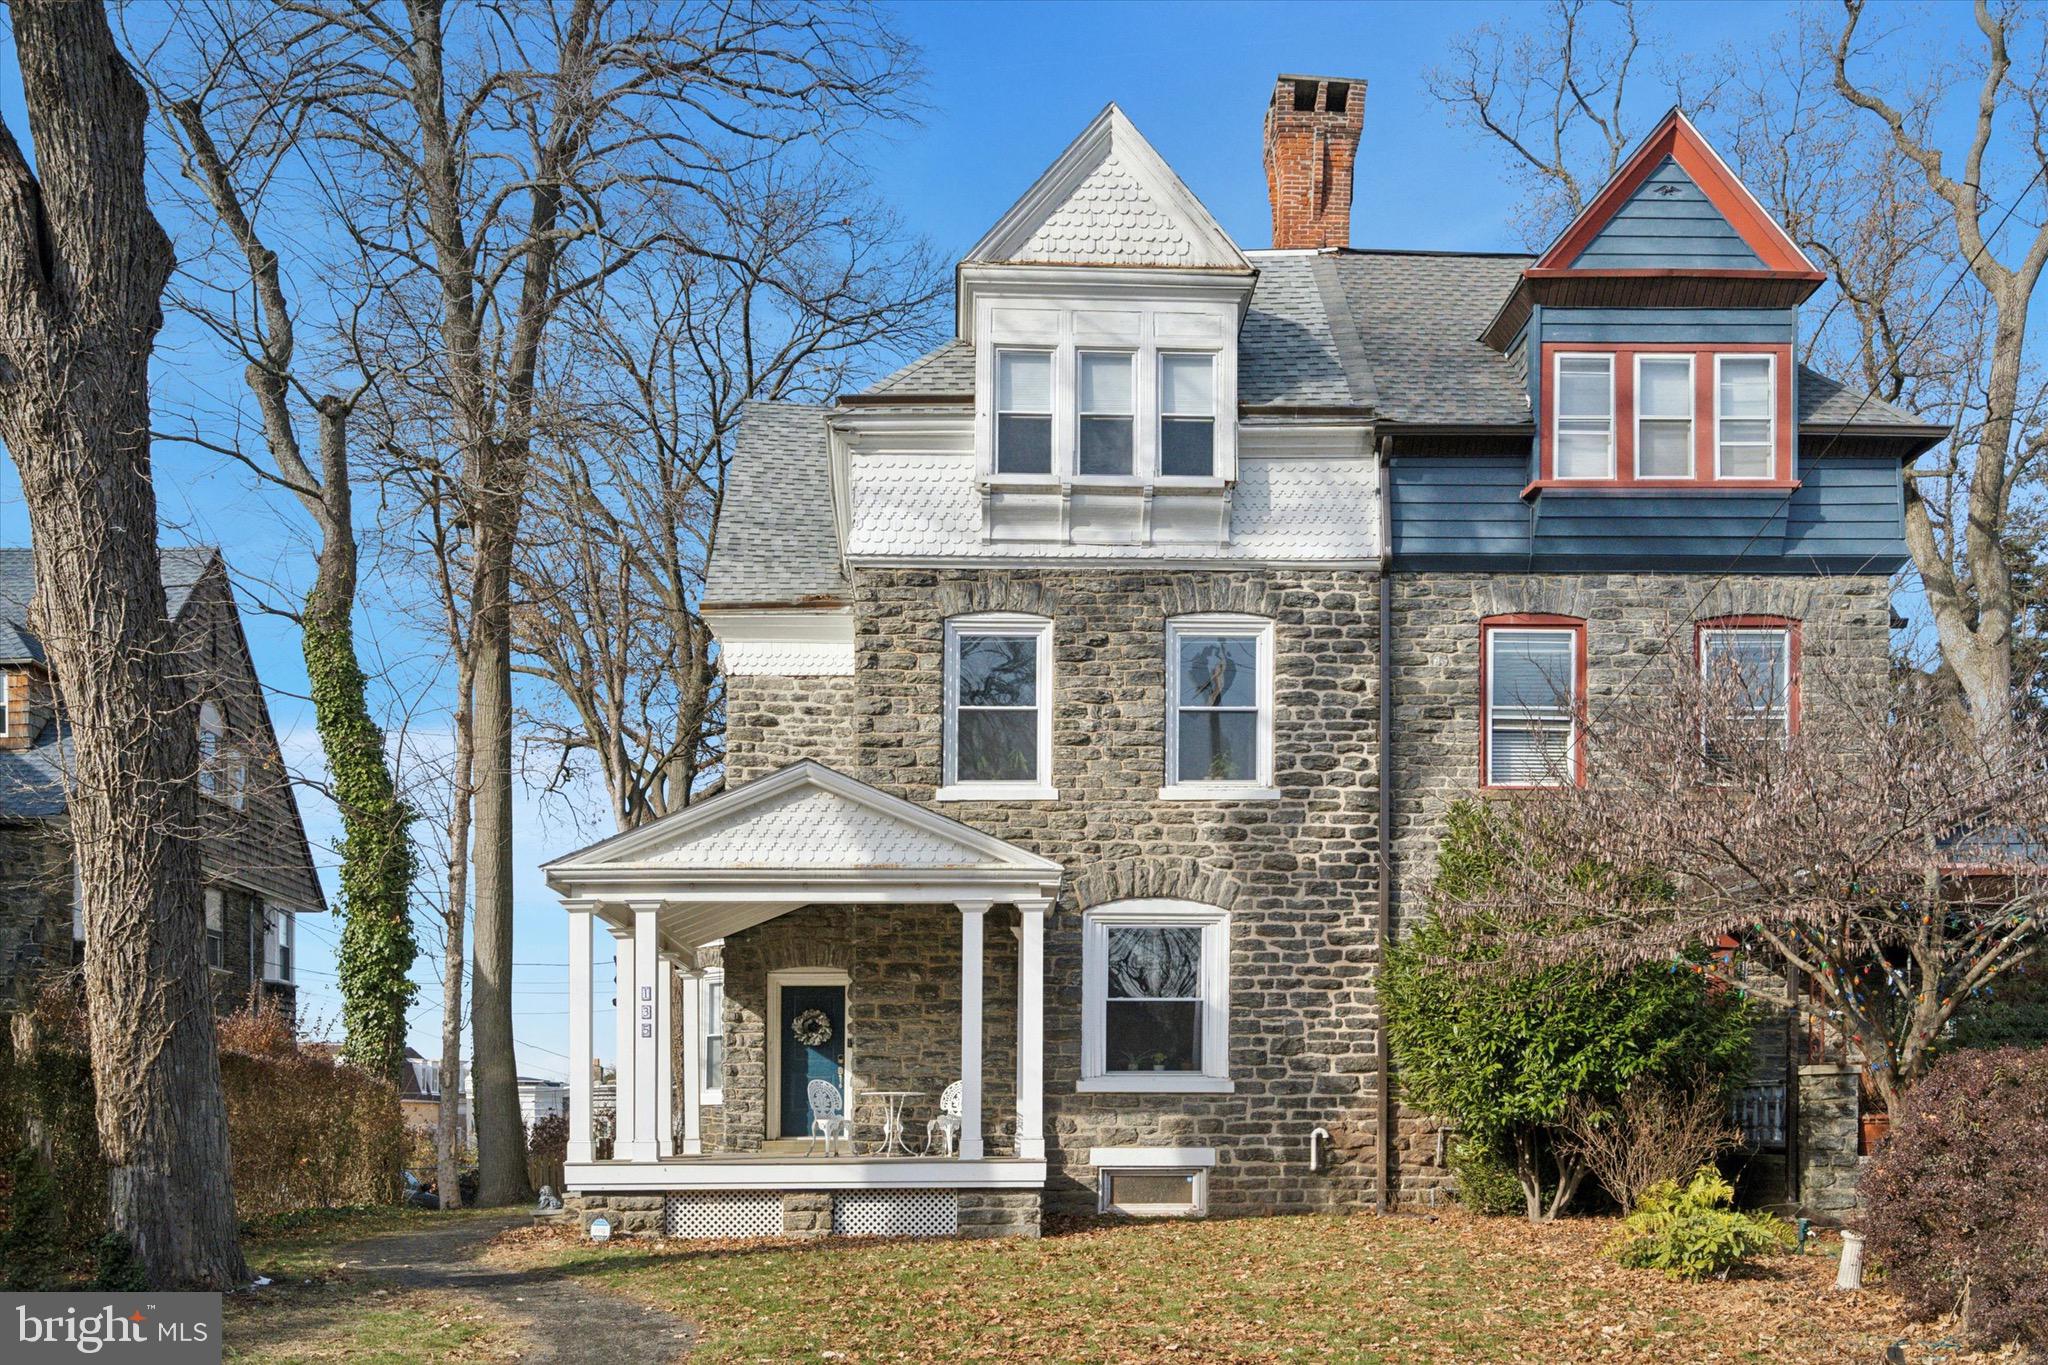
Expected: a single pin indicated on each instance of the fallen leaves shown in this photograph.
(1441, 1287)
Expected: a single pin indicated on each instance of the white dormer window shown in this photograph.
(1023, 412)
(1187, 415)
(1104, 394)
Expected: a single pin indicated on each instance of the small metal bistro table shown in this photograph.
(892, 1120)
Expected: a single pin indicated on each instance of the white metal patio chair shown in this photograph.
(828, 1117)
(948, 1121)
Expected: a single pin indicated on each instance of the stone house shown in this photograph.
(1096, 684)
(257, 866)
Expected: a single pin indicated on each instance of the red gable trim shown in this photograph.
(1676, 138)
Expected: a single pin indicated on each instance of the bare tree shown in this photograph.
(239, 295)
(1891, 857)
(81, 275)
(492, 163)
(1964, 558)
(1555, 98)
(779, 295)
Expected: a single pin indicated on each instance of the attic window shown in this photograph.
(1304, 97)
(1340, 95)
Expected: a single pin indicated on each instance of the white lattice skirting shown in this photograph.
(719, 1214)
(896, 1213)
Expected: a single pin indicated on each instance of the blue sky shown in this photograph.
(1009, 86)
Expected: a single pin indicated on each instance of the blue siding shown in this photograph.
(1846, 517)
(1668, 224)
(1676, 326)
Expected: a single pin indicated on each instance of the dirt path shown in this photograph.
(566, 1323)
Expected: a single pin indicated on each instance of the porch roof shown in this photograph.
(802, 835)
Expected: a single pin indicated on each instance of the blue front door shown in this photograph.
(813, 1049)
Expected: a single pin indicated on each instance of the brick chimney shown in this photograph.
(1311, 142)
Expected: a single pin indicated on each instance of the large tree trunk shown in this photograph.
(500, 1134)
(82, 267)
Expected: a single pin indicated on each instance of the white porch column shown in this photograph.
(664, 1056)
(579, 1031)
(639, 1008)
(693, 1062)
(1031, 1029)
(972, 914)
(622, 1060)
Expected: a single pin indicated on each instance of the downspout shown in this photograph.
(1383, 1070)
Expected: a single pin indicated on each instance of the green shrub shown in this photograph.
(116, 1269)
(32, 1242)
(1504, 1050)
(1692, 1232)
(1486, 1183)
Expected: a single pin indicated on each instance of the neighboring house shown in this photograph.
(419, 1097)
(257, 869)
(1097, 683)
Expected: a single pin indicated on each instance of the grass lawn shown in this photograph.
(1444, 1288)
(316, 1310)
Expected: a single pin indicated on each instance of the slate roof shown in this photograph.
(32, 779)
(1419, 315)
(776, 538)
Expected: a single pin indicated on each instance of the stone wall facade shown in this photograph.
(1299, 875)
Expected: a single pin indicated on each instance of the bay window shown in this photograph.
(1155, 997)
(1584, 399)
(1533, 671)
(1187, 415)
(1103, 397)
(1219, 703)
(1745, 406)
(1664, 441)
(998, 708)
(1023, 412)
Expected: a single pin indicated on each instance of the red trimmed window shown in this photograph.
(1751, 662)
(1532, 689)
(1667, 416)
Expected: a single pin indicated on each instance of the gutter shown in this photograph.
(1384, 1144)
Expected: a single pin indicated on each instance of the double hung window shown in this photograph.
(1664, 432)
(1585, 416)
(1023, 412)
(998, 725)
(1532, 702)
(1745, 416)
(1155, 1009)
(1187, 415)
(1104, 394)
(1219, 735)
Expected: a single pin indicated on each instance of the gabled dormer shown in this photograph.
(1103, 310)
(1658, 332)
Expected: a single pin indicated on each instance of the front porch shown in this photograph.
(856, 932)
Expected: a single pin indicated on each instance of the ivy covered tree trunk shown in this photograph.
(377, 939)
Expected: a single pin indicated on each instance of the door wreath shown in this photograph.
(812, 1028)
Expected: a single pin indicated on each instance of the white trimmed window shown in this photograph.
(1152, 1182)
(998, 725)
(1664, 417)
(1023, 412)
(277, 945)
(223, 776)
(1104, 394)
(1219, 707)
(711, 1009)
(216, 933)
(1532, 704)
(1745, 416)
(7, 704)
(1582, 401)
(1187, 415)
(1155, 1002)
(1751, 678)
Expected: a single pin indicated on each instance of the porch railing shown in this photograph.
(1759, 1113)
